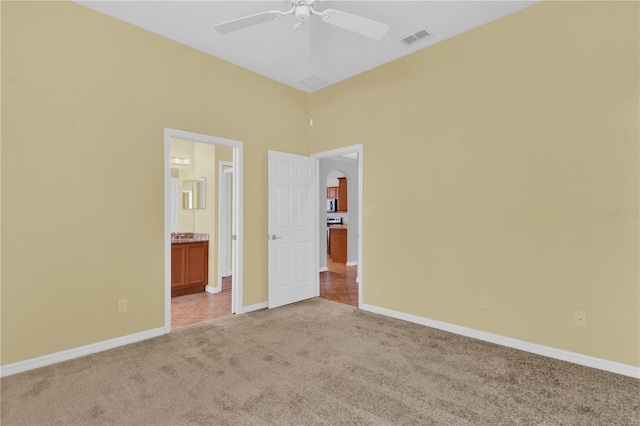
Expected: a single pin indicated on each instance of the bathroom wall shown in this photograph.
(185, 173)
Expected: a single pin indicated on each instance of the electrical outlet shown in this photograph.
(122, 305)
(580, 318)
(484, 302)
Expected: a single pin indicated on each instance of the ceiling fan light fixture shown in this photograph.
(302, 10)
(303, 13)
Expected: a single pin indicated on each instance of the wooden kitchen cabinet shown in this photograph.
(189, 267)
(338, 244)
(332, 192)
(342, 194)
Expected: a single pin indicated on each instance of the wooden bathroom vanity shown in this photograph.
(189, 264)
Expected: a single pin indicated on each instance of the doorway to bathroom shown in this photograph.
(203, 228)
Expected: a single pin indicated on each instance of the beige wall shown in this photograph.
(85, 99)
(205, 219)
(501, 150)
(184, 149)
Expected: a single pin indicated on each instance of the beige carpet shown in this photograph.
(317, 362)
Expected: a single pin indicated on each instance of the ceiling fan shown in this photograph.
(303, 10)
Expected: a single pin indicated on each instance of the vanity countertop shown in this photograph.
(337, 227)
(188, 237)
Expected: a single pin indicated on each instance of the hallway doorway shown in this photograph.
(340, 225)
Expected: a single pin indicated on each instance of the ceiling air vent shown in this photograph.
(313, 82)
(420, 35)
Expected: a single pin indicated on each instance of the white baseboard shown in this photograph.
(323, 269)
(213, 290)
(573, 357)
(256, 307)
(352, 263)
(42, 361)
(561, 354)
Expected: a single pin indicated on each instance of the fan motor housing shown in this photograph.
(302, 12)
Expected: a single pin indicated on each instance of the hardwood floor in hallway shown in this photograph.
(339, 283)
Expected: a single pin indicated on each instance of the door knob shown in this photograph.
(275, 237)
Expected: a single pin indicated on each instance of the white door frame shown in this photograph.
(224, 198)
(237, 285)
(174, 191)
(321, 233)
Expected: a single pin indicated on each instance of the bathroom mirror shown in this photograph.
(193, 194)
(199, 193)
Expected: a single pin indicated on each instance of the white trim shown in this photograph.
(256, 307)
(237, 229)
(334, 153)
(352, 263)
(223, 206)
(167, 232)
(316, 220)
(42, 361)
(561, 354)
(237, 285)
(212, 290)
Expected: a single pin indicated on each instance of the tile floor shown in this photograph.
(198, 307)
(337, 284)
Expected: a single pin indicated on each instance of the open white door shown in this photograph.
(292, 228)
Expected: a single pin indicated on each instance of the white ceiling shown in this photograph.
(275, 50)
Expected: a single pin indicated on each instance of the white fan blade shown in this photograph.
(357, 24)
(247, 21)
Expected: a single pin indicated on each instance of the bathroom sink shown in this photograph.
(177, 237)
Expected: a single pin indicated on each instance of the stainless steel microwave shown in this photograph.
(332, 205)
